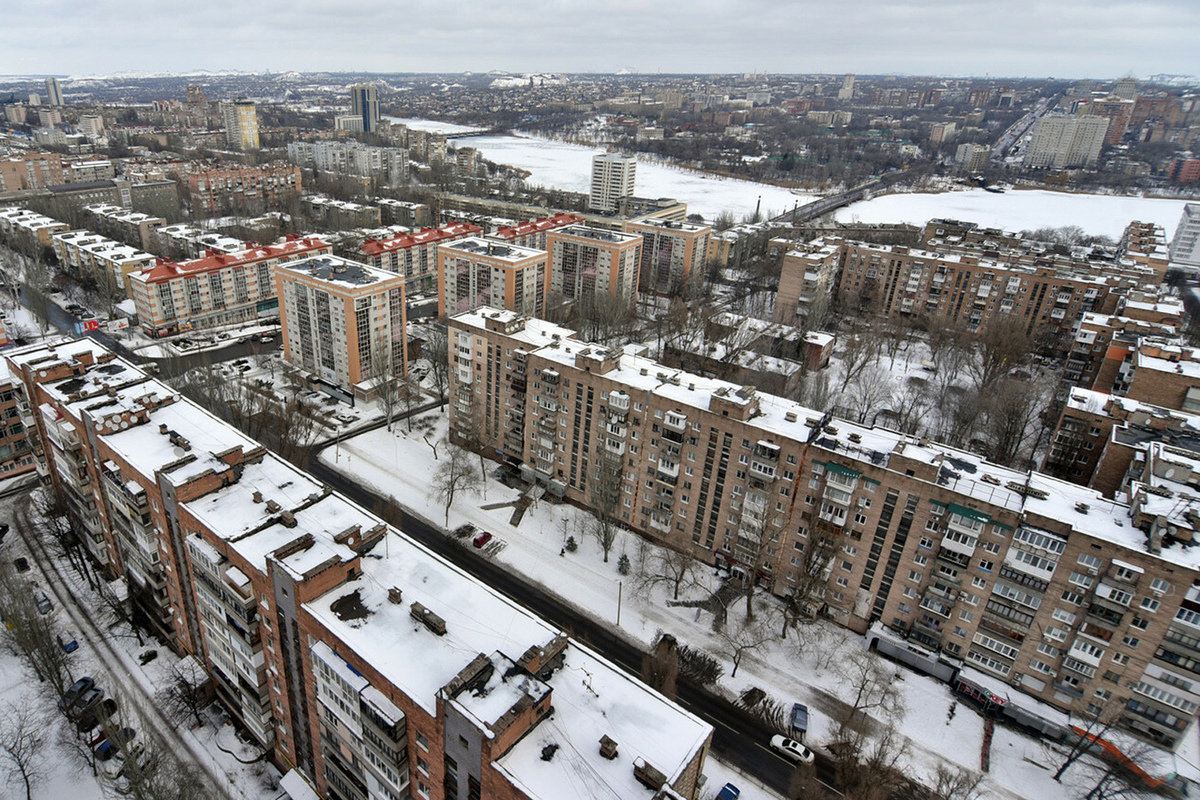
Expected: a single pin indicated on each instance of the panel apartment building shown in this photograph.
(476, 272)
(414, 255)
(587, 261)
(219, 289)
(673, 255)
(340, 319)
(1037, 583)
(349, 651)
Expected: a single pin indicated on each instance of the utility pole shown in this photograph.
(620, 586)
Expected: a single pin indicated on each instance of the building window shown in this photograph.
(422, 742)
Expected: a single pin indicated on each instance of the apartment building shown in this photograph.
(1065, 142)
(673, 255)
(99, 260)
(21, 227)
(587, 261)
(183, 241)
(31, 171)
(364, 104)
(1185, 245)
(415, 255)
(343, 322)
(1037, 583)
(1100, 345)
(54, 95)
(368, 677)
(341, 214)
(534, 233)
(214, 190)
(86, 171)
(388, 165)
(219, 289)
(476, 272)
(241, 124)
(1162, 374)
(613, 176)
(16, 451)
(807, 275)
(131, 227)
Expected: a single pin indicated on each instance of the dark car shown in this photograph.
(102, 712)
(22, 564)
(482, 539)
(67, 641)
(75, 690)
(85, 702)
(3, 530)
(729, 792)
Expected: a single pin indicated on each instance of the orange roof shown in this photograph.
(457, 230)
(166, 270)
(537, 226)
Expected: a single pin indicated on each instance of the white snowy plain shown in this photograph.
(1017, 210)
(400, 464)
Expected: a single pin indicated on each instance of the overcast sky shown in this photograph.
(1051, 38)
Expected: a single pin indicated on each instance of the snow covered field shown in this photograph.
(400, 464)
(569, 166)
(1017, 210)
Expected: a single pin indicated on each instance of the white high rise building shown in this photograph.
(847, 90)
(1063, 142)
(1185, 247)
(613, 176)
(241, 124)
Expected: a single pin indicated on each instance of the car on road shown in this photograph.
(42, 601)
(729, 792)
(483, 538)
(74, 691)
(266, 339)
(67, 641)
(792, 750)
(75, 308)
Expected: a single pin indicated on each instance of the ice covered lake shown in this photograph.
(1017, 210)
(569, 166)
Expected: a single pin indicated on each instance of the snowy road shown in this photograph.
(133, 682)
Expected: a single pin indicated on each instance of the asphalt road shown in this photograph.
(738, 739)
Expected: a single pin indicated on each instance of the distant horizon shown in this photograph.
(1025, 38)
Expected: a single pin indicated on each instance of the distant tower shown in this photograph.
(847, 90)
(364, 103)
(53, 92)
(241, 124)
(1126, 88)
(195, 96)
(613, 177)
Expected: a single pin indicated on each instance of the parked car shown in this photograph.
(792, 750)
(482, 539)
(101, 712)
(74, 691)
(85, 702)
(108, 745)
(67, 641)
(116, 767)
(22, 564)
(729, 792)
(3, 530)
(266, 339)
(42, 601)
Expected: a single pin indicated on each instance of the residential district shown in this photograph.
(971, 451)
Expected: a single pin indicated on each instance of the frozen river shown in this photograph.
(1097, 214)
(568, 166)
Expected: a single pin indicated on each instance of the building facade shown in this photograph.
(241, 124)
(364, 104)
(343, 322)
(673, 255)
(588, 261)
(241, 188)
(219, 289)
(476, 272)
(1037, 583)
(1185, 245)
(1063, 142)
(613, 176)
(415, 255)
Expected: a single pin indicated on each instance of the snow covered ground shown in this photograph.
(569, 166)
(400, 464)
(1017, 210)
(432, 125)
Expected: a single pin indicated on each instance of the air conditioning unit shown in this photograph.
(1157, 592)
(1092, 571)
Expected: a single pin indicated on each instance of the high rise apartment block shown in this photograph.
(673, 255)
(364, 104)
(476, 272)
(1063, 142)
(415, 255)
(1039, 584)
(352, 654)
(343, 322)
(533, 233)
(238, 188)
(587, 261)
(54, 95)
(613, 177)
(218, 289)
(241, 124)
(1185, 245)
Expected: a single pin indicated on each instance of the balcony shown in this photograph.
(618, 402)
(762, 470)
(936, 606)
(675, 421)
(952, 557)
(551, 377)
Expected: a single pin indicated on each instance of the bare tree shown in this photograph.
(1092, 724)
(387, 372)
(737, 640)
(808, 595)
(669, 566)
(869, 767)
(1012, 407)
(436, 351)
(950, 783)
(660, 667)
(1001, 347)
(454, 477)
(21, 741)
(871, 685)
(869, 392)
(187, 694)
(606, 498)
(29, 633)
(860, 351)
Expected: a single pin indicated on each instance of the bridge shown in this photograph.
(823, 206)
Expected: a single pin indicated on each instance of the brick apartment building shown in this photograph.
(214, 190)
(339, 318)
(219, 289)
(534, 232)
(414, 255)
(476, 272)
(1035, 582)
(585, 261)
(21, 227)
(369, 677)
(93, 258)
(673, 255)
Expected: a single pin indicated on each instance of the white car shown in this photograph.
(792, 750)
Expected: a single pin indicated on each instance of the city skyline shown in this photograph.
(1106, 40)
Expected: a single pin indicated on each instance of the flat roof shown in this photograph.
(499, 251)
(335, 270)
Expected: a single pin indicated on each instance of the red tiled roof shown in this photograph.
(537, 225)
(166, 270)
(458, 230)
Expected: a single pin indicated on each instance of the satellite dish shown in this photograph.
(1170, 473)
(178, 451)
